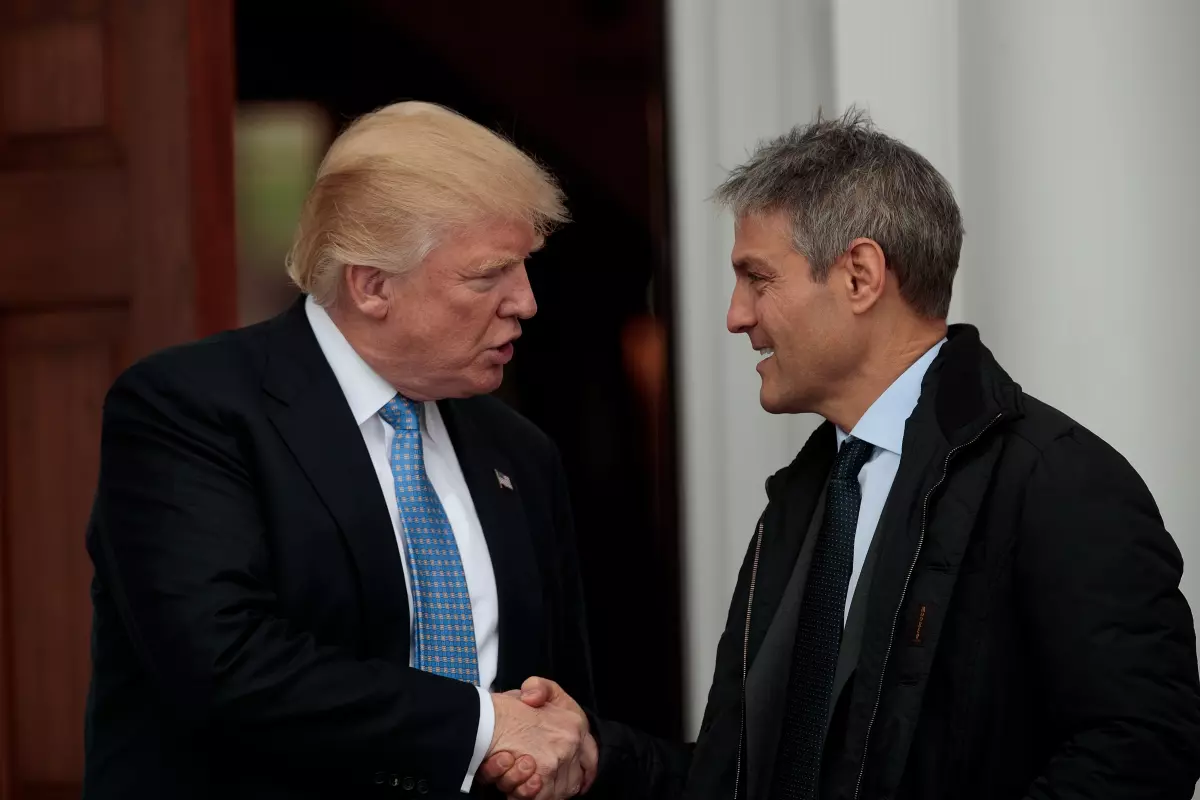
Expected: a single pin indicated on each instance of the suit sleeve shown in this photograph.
(1098, 577)
(633, 764)
(179, 541)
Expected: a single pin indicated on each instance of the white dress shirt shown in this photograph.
(367, 392)
(882, 426)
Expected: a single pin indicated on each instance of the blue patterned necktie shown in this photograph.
(819, 631)
(444, 630)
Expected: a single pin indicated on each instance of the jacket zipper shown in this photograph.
(904, 594)
(737, 781)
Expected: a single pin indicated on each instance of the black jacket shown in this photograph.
(251, 628)
(1025, 636)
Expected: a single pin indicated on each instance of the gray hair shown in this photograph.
(842, 179)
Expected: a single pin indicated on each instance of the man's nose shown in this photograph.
(741, 317)
(520, 302)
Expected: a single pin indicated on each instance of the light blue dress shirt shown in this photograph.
(883, 426)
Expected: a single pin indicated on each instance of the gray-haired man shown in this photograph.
(955, 591)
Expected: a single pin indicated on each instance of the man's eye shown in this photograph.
(753, 277)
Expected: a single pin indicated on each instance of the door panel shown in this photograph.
(57, 365)
(116, 239)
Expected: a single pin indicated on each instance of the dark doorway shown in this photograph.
(579, 84)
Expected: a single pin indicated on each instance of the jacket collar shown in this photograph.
(966, 389)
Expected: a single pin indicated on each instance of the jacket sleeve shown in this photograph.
(1098, 579)
(637, 766)
(179, 541)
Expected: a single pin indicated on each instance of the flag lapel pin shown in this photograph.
(504, 481)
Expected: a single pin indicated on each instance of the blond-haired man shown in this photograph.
(318, 546)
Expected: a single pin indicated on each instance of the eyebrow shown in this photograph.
(498, 263)
(749, 262)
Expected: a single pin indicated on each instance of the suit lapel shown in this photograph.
(496, 493)
(786, 521)
(310, 412)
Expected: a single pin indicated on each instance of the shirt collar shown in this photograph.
(883, 424)
(365, 389)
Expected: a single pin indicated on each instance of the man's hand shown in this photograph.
(537, 692)
(550, 735)
(518, 777)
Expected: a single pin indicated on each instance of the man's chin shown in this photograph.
(775, 402)
(488, 380)
(771, 402)
(479, 381)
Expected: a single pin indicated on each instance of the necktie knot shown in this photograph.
(850, 458)
(402, 414)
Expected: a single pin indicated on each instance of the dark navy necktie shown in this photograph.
(819, 631)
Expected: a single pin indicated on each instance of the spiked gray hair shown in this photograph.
(842, 179)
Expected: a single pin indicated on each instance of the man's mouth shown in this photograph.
(504, 352)
(765, 352)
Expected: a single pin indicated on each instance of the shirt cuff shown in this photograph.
(483, 736)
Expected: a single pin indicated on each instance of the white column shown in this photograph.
(899, 61)
(1080, 123)
(740, 72)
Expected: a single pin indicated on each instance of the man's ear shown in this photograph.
(863, 274)
(368, 290)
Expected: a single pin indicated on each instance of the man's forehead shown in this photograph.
(512, 251)
(495, 241)
(758, 238)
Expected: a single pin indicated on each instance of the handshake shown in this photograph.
(542, 748)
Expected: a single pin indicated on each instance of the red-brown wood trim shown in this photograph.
(212, 96)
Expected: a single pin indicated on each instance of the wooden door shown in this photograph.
(116, 239)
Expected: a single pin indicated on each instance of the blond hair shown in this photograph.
(398, 180)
